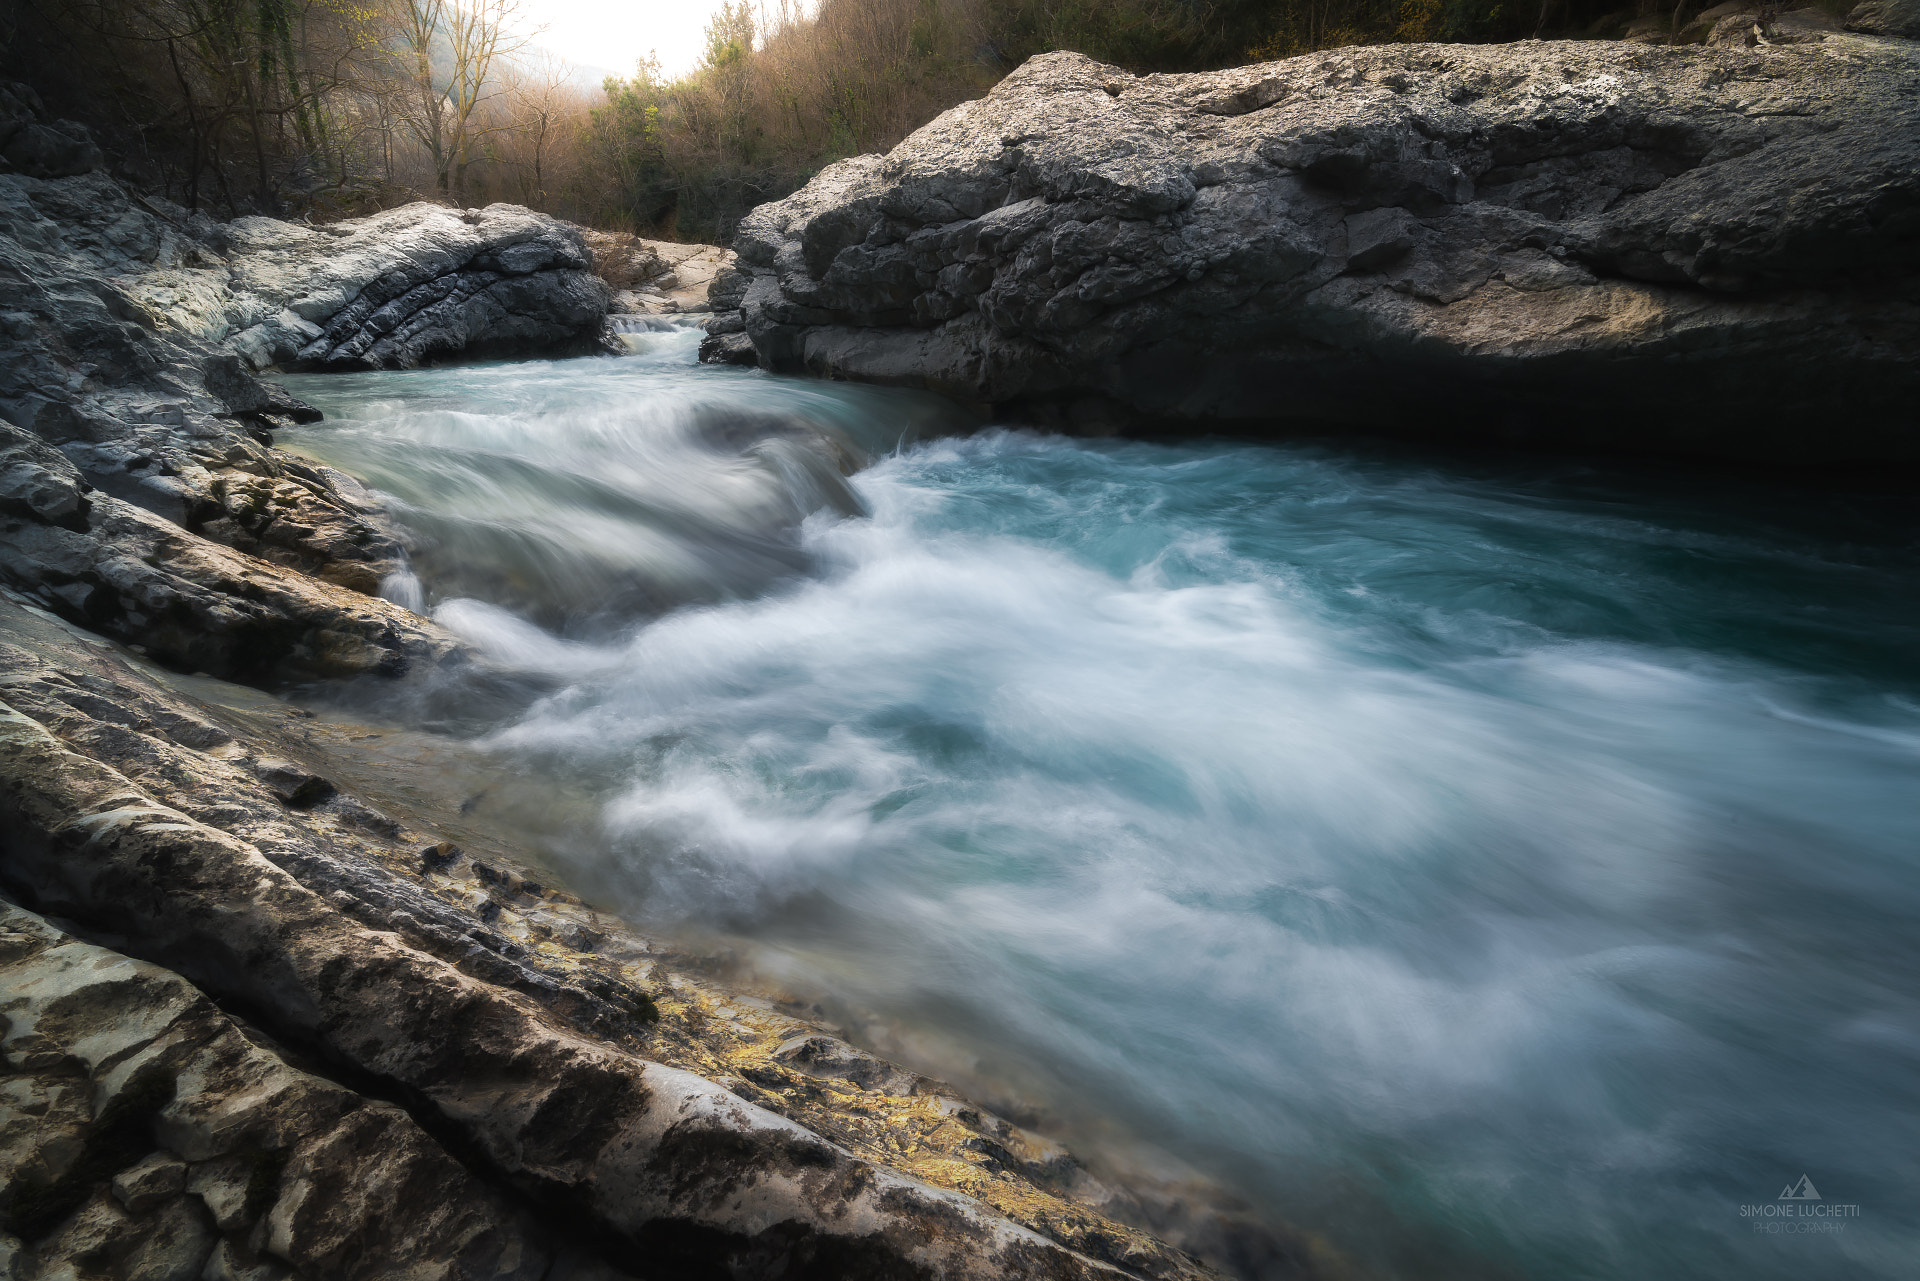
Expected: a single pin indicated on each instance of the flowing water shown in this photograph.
(1497, 866)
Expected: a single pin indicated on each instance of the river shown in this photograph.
(1494, 865)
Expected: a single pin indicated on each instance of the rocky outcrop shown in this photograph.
(33, 143)
(139, 491)
(653, 279)
(389, 291)
(423, 1061)
(1683, 249)
(1897, 18)
(144, 1133)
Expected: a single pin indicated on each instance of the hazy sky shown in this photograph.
(613, 34)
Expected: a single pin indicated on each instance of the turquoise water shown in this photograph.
(1498, 866)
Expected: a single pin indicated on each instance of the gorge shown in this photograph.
(492, 787)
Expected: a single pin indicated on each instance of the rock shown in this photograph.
(1750, 28)
(129, 574)
(139, 493)
(1898, 18)
(655, 276)
(1586, 244)
(728, 349)
(1740, 30)
(544, 1092)
(160, 1177)
(624, 260)
(390, 291)
(296, 787)
(1695, 30)
(218, 1136)
(38, 146)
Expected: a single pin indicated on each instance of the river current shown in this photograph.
(1494, 866)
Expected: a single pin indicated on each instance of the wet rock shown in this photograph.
(137, 495)
(831, 1058)
(728, 349)
(1680, 249)
(295, 786)
(533, 1077)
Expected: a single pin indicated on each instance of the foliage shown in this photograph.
(329, 107)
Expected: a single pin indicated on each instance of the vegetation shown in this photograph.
(332, 107)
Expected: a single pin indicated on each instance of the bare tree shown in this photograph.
(541, 95)
(469, 42)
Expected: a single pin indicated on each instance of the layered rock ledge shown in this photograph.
(140, 494)
(254, 1025)
(1706, 250)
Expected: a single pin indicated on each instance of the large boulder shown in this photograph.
(1897, 18)
(389, 291)
(1665, 248)
(32, 142)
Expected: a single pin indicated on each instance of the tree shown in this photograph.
(448, 54)
(540, 95)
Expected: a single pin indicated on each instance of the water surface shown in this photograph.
(1499, 866)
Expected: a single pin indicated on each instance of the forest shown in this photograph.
(331, 108)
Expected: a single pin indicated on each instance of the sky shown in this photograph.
(611, 35)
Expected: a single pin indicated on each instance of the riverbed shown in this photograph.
(1494, 865)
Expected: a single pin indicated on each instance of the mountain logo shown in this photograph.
(1801, 1191)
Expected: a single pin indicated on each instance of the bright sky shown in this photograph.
(613, 34)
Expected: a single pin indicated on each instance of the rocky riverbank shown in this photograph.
(259, 1023)
(260, 1020)
(255, 1021)
(1707, 249)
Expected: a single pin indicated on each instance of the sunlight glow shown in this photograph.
(611, 37)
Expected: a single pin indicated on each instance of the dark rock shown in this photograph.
(296, 787)
(440, 857)
(1898, 18)
(728, 349)
(1689, 250)
(33, 144)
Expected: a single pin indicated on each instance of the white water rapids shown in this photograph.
(1501, 867)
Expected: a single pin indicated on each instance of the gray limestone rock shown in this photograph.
(388, 291)
(1679, 249)
(192, 1143)
(541, 1090)
(139, 490)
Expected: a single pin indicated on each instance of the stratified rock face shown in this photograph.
(389, 291)
(139, 491)
(143, 1134)
(1684, 249)
(139, 494)
(537, 1053)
